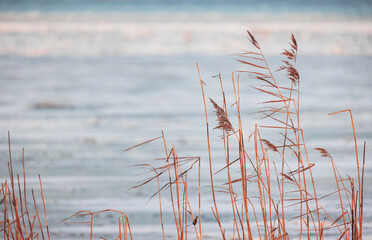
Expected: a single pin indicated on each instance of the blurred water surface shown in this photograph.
(83, 80)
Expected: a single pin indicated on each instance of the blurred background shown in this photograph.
(82, 80)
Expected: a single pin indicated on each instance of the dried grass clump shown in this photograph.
(18, 220)
(22, 222)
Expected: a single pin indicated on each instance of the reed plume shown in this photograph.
(222, 118)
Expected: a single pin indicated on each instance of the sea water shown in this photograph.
(83, 80)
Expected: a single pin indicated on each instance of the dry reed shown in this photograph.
(295, 187)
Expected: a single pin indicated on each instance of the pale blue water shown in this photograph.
(83, 80)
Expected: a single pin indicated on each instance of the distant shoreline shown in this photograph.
(183, 15)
